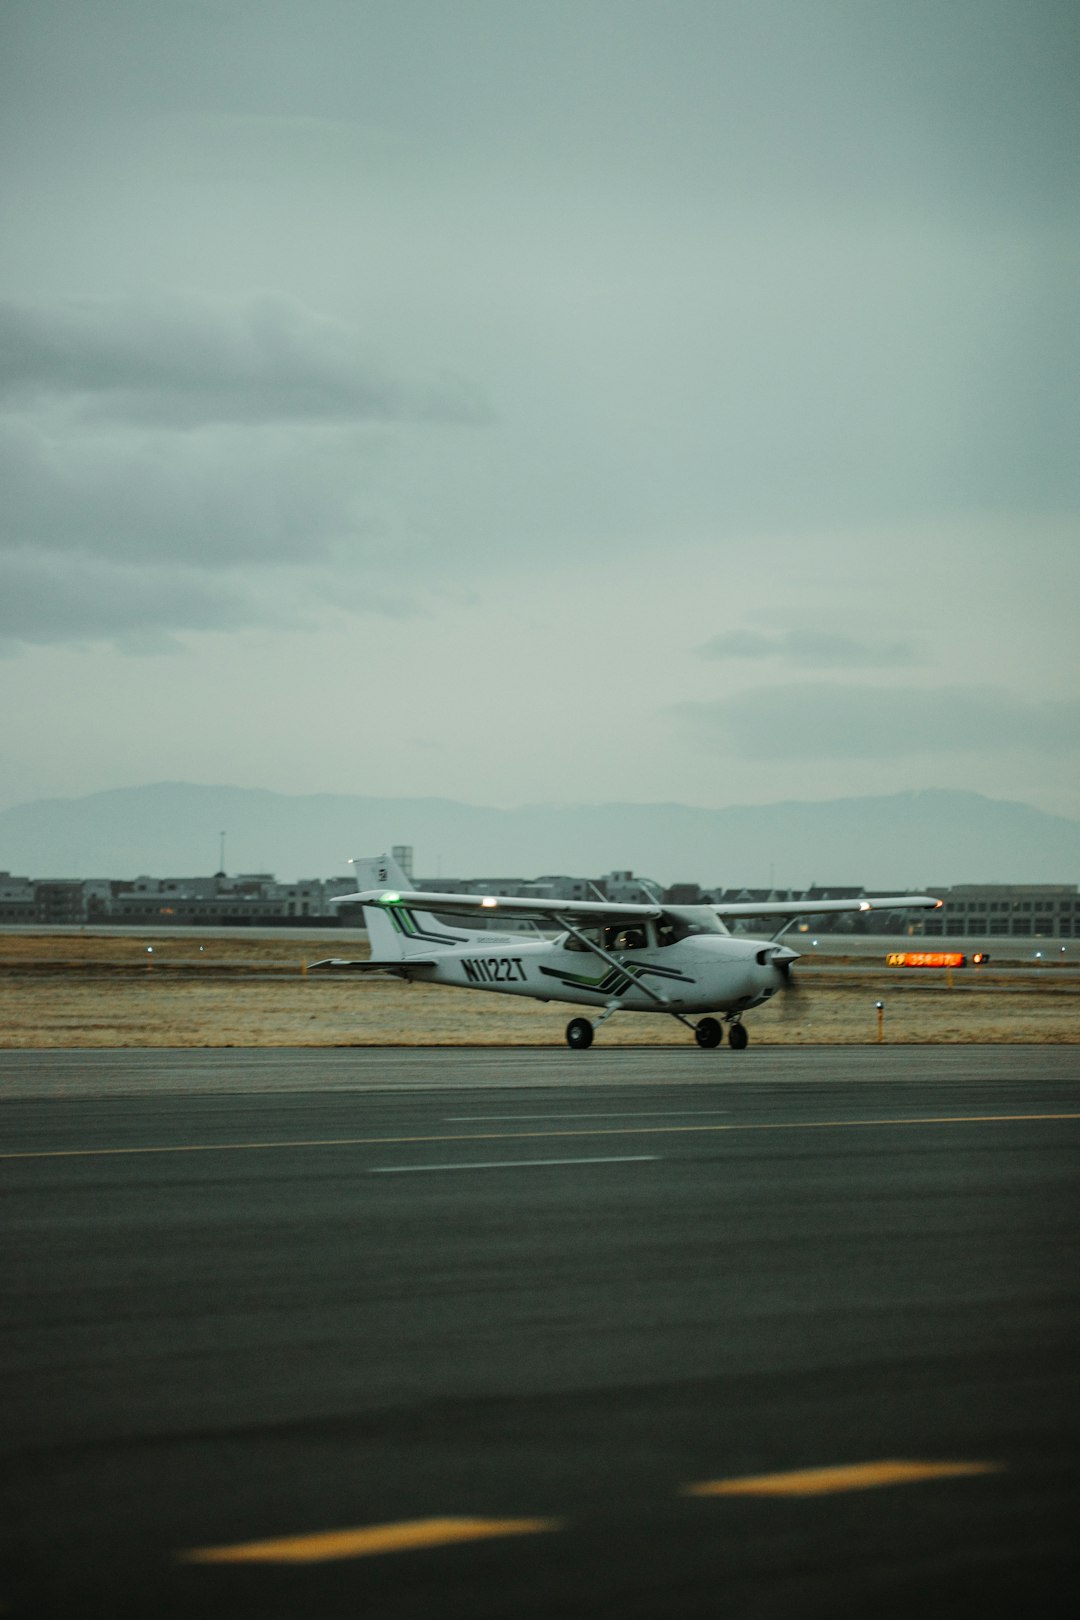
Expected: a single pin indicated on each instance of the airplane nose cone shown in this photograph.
(779, 958)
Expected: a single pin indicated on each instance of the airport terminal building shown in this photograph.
(1016, 911)
(219, 901)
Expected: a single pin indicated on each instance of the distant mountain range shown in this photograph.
(906, 840)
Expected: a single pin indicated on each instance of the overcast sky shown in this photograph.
(541, 400)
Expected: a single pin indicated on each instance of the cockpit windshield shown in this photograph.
(683, 924)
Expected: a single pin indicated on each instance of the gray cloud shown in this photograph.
(183, 362)
(48, 599)
(830, 721)
(148, 448)
(119, 536)
(813, 648)
(215, 497)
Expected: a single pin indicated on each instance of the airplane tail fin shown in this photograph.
(397, 930)
(379, 872)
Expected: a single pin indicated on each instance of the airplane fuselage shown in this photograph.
(710, 973)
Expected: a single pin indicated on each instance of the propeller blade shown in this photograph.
(794, 991)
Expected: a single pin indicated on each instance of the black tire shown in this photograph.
(579, 1034)
(737, 1037)
(708, 1032)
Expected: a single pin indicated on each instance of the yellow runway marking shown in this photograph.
(828, 1481)
(409, 1536)
(529, 1136)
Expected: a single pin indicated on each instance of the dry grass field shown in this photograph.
(93, 990)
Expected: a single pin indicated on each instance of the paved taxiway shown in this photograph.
(548, 1312)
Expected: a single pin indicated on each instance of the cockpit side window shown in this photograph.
(614, 937)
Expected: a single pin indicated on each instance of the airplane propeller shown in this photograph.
(794, 991)
(783, 960)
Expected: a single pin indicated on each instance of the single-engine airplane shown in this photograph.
(650, 957)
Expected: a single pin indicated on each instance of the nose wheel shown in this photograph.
(737, 1037)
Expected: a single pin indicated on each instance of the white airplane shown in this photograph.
(634, 958)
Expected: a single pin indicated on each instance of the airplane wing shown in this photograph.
(598, 912)
(813, 908)
(490, 905)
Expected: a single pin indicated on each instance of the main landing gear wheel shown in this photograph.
(737, 1037)
(709, 1032)
(579, 1033)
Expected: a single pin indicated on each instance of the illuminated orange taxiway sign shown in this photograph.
(932, 959)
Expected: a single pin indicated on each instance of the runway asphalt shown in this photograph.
(484, 1334)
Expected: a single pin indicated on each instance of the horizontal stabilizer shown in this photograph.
(400, 968)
